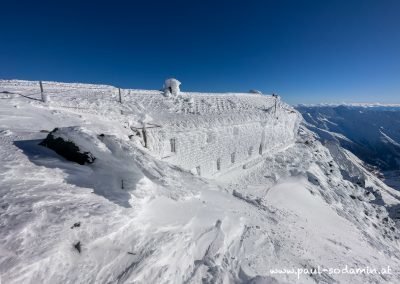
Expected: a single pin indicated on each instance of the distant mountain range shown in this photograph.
(370, 131)
(349, 105)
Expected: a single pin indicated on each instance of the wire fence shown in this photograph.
(43, 91)
(85, 96)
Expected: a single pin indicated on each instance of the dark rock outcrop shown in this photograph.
(67, 149)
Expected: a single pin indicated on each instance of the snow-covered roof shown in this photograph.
(203, 109)
(184, 110)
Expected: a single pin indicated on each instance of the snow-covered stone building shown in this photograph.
(211, 133)
(206, 133)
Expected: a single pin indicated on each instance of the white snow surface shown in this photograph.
(303, 206)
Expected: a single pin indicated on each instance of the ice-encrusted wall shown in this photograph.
(211, 150)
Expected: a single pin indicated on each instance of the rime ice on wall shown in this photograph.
(214, 133)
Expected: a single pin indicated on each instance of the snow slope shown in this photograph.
(303, 207)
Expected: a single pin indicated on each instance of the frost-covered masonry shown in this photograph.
(215, 133)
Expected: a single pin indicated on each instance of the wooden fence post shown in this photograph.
(119, 93)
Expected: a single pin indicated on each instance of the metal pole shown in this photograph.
(41, 91)
(119, 93)
(145, 137)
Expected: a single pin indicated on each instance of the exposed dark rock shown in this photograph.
(67, 149)
(75, 225)
(312, 178)
(78, 247)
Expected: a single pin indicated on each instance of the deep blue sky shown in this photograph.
(306, 51)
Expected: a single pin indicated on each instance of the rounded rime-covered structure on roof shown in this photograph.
(171, 87)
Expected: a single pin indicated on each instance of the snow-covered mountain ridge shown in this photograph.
(372, 133)
(298, 205)
(365, 105)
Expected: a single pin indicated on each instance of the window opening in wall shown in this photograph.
(251, 151)
(218, 164)
(233, 158)
(260, 150)
(210, 137)
(173, 145)
(198, 171)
